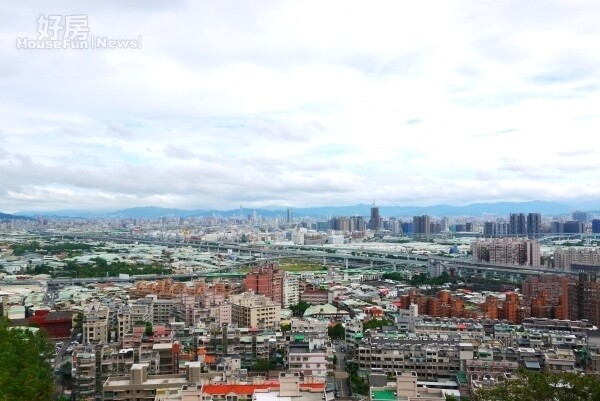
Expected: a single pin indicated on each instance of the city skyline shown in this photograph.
(302, 105)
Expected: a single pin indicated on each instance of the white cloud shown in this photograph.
(302, 104)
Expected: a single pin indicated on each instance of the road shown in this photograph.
(341, 376)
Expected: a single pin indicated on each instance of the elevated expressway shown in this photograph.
(355, 260)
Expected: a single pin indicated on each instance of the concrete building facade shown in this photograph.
(254, 310)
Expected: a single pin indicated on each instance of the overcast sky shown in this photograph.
(303, 103)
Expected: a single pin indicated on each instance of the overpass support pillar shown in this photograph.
(324, 261)
(512, 277)
(484, 274)
(371, 262)
(346, 260)
(395, 267)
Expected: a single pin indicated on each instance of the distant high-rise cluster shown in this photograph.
(580, 216)
(495, 229)
(347, 224)
(529, 225)
(568, 227)
(421, 226)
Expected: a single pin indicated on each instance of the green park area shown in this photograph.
(293, 265)
(296, 265)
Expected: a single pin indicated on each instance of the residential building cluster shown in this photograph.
(570, 298)
(227, 338)
(509, 251)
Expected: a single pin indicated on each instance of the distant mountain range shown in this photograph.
(6, 216)
(475, 209)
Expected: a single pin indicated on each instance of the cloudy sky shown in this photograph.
(301, 104)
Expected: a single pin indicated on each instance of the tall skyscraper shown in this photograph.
(357, 223)
(489, 229)
(445, 225)
(421, 225)
(596, 226)
(517, 225)
(495, 229)
(580, 216)
(534, 225)
(375, 222)
(290, 215)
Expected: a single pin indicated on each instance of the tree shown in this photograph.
(337, 331)
(299, 308)
(376, 324)
(78, 320)
(148, 332)
(264, 365)
(25, 373)
(394, 276)
(358, 383)
(65, 371)
(286, 327)
(543, 386)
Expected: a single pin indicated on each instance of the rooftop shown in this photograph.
(384, 395)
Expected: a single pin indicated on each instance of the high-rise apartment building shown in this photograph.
(375, 221)
(357, 223)
(266, 280)
(508, 251)
(525, 225)
(445, 225)
(580, 216)
(534, 225)
(568, 227)
(291, 290)
(495, 229)
(565, 257)
(584, 298)
(489, 229)
(395, 226)
(517, 225)
(596, 226)
(567, 298)
(421, 226)
(407, 228)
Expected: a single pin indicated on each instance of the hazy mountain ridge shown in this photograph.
(501, 209)
(6, 216)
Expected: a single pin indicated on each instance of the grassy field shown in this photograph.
(293, 265)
